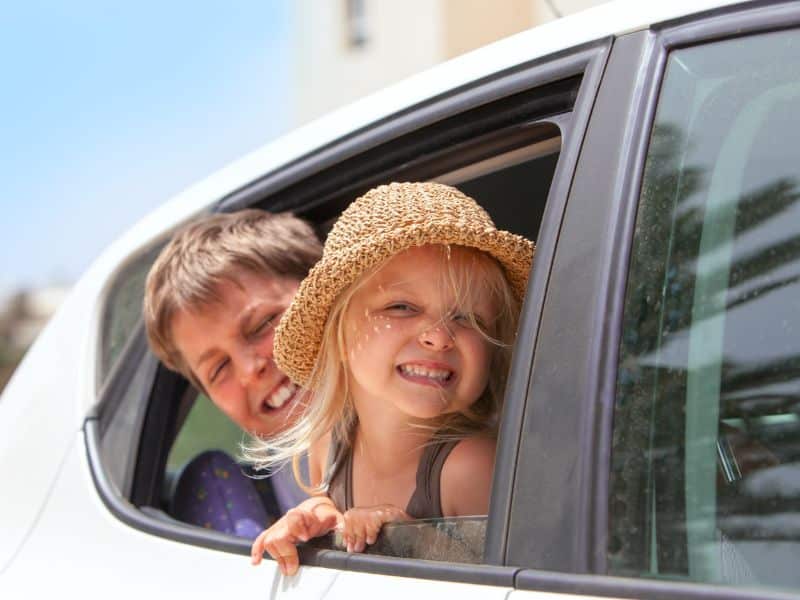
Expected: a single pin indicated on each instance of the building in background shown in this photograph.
(346, 49)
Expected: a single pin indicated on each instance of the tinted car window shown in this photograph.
(705, 481)
(123, 310)
(122, 423)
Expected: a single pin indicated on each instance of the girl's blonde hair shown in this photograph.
(468, 273)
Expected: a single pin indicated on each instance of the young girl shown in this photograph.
(403, 333)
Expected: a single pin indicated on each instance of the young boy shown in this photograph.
(212, 300)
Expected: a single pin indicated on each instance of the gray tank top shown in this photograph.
(425, 502)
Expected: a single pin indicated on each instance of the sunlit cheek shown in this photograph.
(381, 322)
(354, 352)
(380, 326)
(358, 338)
(364, 335)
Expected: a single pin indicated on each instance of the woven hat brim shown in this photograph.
(300, 332)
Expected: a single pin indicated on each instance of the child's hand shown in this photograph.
(362, 525)
(312, 518)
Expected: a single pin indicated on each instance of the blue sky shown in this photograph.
(109, 109)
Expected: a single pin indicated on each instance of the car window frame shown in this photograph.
(602, 206)
(585, 61)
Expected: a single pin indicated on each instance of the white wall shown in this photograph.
(402, 39)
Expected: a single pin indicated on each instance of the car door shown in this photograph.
(659, 440)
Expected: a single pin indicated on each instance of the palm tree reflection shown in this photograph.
(761, 355)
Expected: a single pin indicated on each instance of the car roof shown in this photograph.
(605, 20)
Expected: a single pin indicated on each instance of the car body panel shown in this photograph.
(41, 410)
(539, 595)
(121, 558)
(164, 566)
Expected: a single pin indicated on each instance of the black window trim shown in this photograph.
(608, 586)
(586, 61)
(553, 488)
(511, 427)
(586, 558)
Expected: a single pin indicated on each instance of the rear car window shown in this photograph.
(123, 311)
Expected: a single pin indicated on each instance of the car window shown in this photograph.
(121, 342)
(456, 539)
(509, 187)
(706, 443)
(514, 193)
(123, 310)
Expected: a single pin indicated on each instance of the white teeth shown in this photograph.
(419, 371)
(279, 397)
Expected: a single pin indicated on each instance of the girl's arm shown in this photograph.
(311, 518)
(466, 481)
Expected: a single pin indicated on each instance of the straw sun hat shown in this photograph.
(376, 226)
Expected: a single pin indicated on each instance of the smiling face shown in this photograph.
(411, 343)
(228, 347)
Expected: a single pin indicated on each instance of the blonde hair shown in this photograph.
(188, 271)
(468, 273)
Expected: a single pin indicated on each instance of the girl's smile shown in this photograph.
(410, 341)
(433, 374)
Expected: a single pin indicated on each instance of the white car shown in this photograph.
(650, 444)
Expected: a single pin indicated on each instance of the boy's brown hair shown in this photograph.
(187, 273)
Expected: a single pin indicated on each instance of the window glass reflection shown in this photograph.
(705, 479)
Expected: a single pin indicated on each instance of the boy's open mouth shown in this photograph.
(426, 375)
(280, 396)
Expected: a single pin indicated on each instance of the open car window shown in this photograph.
(513, 187)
